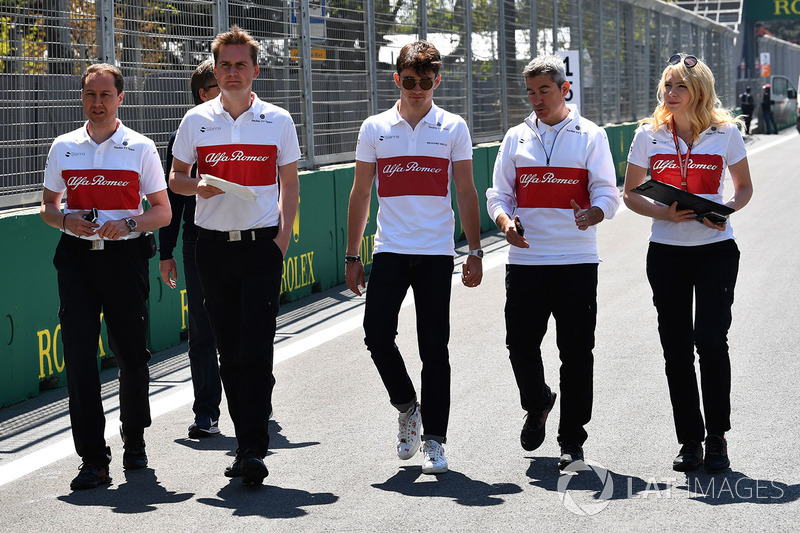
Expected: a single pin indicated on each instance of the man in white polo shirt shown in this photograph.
(413, 150)
(555, 170)
(243, 233)
(105, 169)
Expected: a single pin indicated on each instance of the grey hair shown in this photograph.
(551, 65)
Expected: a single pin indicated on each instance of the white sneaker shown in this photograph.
(408, 433)
(433, 458)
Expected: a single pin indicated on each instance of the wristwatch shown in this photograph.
(478, 253)
(352, 258)
(131, 223)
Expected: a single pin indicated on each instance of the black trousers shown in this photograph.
(203, 361)
(430, 277)
(703, 277)
(569, 293)
(241, 281)
(113, 281)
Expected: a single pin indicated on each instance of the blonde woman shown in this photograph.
(692, 263)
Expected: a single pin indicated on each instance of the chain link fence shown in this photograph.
(330, 63)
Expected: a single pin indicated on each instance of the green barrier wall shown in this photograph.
(620, 137)
(30, 344)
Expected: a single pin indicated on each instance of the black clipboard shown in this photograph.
(668, 194)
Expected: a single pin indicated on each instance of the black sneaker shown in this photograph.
(235, 470)
(253, 470)
(716, 454)
(203, 427)
(90, 476)
(533, 431)
(689, 458)
(569, 454)
(134, 456)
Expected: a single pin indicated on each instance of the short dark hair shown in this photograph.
(420, 57)
(105, 68)
(236, 36)
(202, 75)
(551, 65)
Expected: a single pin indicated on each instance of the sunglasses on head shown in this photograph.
(409, 83)
(689, 61)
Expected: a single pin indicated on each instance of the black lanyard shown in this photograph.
(682, 163)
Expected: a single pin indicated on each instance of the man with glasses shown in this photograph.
(202, 349)
(412, 151)
(555, 173)
(248, 148)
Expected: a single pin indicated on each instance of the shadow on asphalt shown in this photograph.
(735, 487)
(455, 485)
(140, 493)
(225, 442)
(545, 474)
(273, 502)
(727, 488)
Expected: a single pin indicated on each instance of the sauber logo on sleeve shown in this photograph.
(245, 164)
(103, 189)
(412, 176)
(703, 177)
(552, 187)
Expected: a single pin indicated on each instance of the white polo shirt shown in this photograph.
(538, 170)
(112, 176)
(717, 148)
(247, 151)
(413, 172)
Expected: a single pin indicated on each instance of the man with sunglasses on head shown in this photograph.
(202, 349)
(555, 172)
(412, 151)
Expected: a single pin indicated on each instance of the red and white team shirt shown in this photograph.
(538, 170)
(247, 151)
(717, 148)
(112, 176)
(413, 172)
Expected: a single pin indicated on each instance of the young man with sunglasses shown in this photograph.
(242, 237)
(556, 173)
(412, 151)
(202, 348)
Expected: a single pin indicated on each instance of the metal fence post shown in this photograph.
(618, 117)
(104, 9)
(534, 29)
(555, 26)
(372, 57)
(422, 9)
(305, 74)
(502, 55)
(602, 69)
(468, 61)
(220, 12)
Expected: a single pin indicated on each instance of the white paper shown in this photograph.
(242, 191)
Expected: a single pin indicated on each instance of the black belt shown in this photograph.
(257, 234)
(99, 244)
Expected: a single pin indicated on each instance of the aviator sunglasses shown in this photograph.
(425, 83)
(689, 61)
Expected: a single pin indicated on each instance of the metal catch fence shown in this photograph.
(330, 63)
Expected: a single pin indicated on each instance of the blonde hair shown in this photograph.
(705, 109)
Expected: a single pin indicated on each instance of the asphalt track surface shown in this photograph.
(332, 461)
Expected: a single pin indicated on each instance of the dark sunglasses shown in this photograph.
(425, 83)
(210, 87)
(689, 61)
